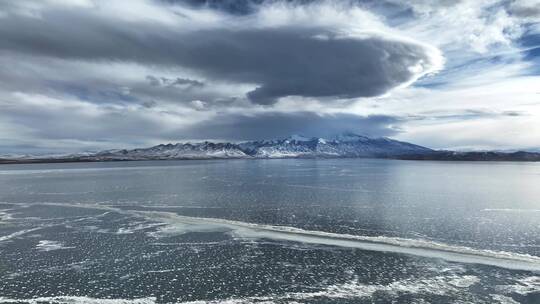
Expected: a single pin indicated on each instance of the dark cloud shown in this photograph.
(282, 61)
(149, 104)
(391, 8)
(525, 10)
(270, 125)
(154, 81)
(187, 82)
(514, 113)
(236, 7)
(285, 62)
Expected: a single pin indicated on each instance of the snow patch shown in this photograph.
(79, 300)
(504, 299)
(17, 234)
(439, 285)
(139, 227)
(45, 245)
(5, 216)
(524, 286)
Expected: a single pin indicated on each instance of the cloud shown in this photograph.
(525, 9)
(107, 73)
(34, 122)
(198, 104)
(464, 115)
(283, 60)
(507, 134)
(342, 67)
(268, 125)
(187, 82)
(236, 7)
(180, 82)
(465, 27)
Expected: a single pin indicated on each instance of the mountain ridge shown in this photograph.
(346, 145)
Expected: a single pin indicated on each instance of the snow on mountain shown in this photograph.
(204, 150)
(344, 145)
(296, 146)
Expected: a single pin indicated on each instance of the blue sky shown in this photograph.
(82, 75)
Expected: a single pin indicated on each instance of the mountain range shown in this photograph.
(347, 145)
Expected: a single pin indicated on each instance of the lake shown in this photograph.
(270, 231)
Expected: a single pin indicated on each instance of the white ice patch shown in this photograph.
(439, 285)
(5, 216)
(177, 228)
(504, 299)
(178, 224)
(78, 300)
(524, 286)
(17, 234)
(45, 245)
(138, 227)
(464, 281)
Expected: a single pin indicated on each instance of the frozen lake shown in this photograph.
(270, 231)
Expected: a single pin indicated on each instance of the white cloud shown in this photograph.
(198, 104)
(466, 25)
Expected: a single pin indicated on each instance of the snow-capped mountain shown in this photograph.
(296, 146)
(345, 145)
(204, 150)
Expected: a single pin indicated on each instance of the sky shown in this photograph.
(87, 75)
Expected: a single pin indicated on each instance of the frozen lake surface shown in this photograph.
(270, 231)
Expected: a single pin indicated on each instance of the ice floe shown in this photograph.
(178, 224)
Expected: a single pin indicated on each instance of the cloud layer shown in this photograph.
(93, 74)
(269, 125)
(280, 60)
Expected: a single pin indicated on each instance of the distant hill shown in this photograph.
(346, 145)
(475, 156)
